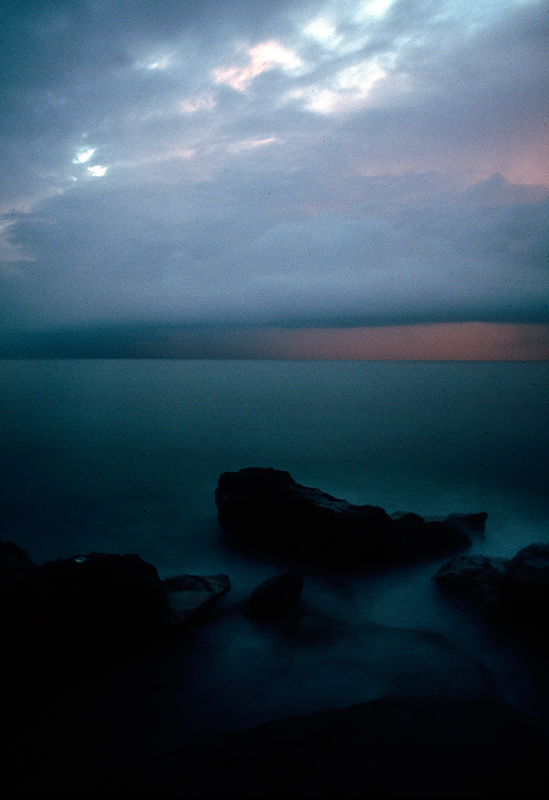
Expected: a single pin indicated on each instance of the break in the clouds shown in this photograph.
(330, 164)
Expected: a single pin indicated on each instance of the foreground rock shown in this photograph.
(94, 602)
(267, 510)
(69, 629)
(515, 591)
(390, 748)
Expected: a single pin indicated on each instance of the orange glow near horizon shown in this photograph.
(443, 341)
(463, 341)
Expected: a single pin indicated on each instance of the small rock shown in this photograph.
(515, 590)
(276, 597)
(189, 596)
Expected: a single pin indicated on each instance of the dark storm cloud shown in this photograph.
(273, 163)
(199, 263)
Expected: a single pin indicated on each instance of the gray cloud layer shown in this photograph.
(274, 163)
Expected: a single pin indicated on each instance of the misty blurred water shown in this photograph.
(124, 456)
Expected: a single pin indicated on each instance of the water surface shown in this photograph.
(124, 456)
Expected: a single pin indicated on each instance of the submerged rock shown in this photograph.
(275, 598)
(515, 590)
(266, 509)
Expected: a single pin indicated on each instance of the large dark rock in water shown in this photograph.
(266, 509)
(514, 591)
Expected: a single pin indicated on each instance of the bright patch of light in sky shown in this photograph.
(84, 156)
(360, 78)
(156, 62)
(97, 171)
(160, 63)
(324, 31)
(376, 8)
(263, 57)
(348, 89)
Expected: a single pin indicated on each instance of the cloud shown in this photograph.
(201, 262)
(274, 163)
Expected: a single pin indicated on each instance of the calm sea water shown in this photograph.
(124, 456)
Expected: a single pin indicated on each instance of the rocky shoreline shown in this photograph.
(437, 729)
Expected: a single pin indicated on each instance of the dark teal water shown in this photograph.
(124, 456)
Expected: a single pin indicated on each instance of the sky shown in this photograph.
(350, 178)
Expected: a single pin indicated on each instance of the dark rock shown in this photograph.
(79, 602)
(13, 558)
(107, 594)
(395, 747)
(190, 596)
(93, 603)
(70, 630)
(276, 597)
(515, 590)
(267, 510)
(470, 524)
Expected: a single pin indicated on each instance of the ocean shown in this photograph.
(124, 456)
